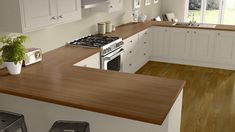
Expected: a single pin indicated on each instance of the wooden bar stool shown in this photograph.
(10, 122)
(70, 126)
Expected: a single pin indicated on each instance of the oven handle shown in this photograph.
(108, 58)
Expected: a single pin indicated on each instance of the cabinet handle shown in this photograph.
(53, 18)
(130, 52)
(145, 33)
(165, 30)
(60, 16)
(144, 53)
(145, 42)
(219, 34)
(131, 41)
(111, 6)
(130, 64)
(195, 32)
(187, 31)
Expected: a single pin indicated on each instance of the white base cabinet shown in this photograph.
(91, 62)
(208, 48)
(224, 48)
(137, 51)
(29, 15)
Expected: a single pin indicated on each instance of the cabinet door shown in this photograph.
(38, 13)
(115, 5)
(68, 10)
(224, 51)
(202, 44)
(179, 44)
(160, 39)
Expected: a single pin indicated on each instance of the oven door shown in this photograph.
(113, 61)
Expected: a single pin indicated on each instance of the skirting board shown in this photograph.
(192, 63)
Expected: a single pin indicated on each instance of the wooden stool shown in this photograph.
(70, 126)
(10, 122)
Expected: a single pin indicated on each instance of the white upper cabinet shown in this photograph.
(160, 39)
(202, 44)
(115, 5)
(68, 10)
(33, 15)
(224, 51)
(179, 44)
(38, 13)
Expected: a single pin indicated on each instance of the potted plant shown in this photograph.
(13, 52)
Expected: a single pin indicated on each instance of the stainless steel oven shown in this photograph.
(113, 60)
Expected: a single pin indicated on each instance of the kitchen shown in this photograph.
(58, 35)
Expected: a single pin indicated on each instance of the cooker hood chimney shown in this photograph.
(94, 3)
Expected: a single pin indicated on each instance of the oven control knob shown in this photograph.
(109, 49)
(104, 51)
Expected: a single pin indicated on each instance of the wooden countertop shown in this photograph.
(129, 29)
(55, 80)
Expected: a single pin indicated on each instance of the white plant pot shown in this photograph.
(14, 69)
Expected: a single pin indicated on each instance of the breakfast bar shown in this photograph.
(111, 101)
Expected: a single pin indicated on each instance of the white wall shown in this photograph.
(54, 37)
(179, 7)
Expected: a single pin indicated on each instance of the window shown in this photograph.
(212, 11)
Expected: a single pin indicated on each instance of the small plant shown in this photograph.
(13, 49)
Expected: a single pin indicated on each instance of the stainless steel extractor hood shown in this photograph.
(94, 3)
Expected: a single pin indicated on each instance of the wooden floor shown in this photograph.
(209, 96)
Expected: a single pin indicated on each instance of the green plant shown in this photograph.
(13, 49)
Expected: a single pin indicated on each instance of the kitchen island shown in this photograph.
(110, 101)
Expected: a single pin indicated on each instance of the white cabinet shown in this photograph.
(29, 15)
(37, 13)
(224, 48)
(144, 47)
(115, 5)
(137, 51)
(91, 62)
(68, 10)
(130, 54)
(202, 45)
(160, 40)
(179, 44)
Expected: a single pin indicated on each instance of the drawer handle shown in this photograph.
(53, 18)
(145, 42)
(130, 52)
(144, 53)
(219, 34)
(130, 64)
(60, 16)
(195, 32)
(187, 31)
(145, 33)
(131, 41)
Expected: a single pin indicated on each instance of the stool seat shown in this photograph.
(10, 122)
(70, 126)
